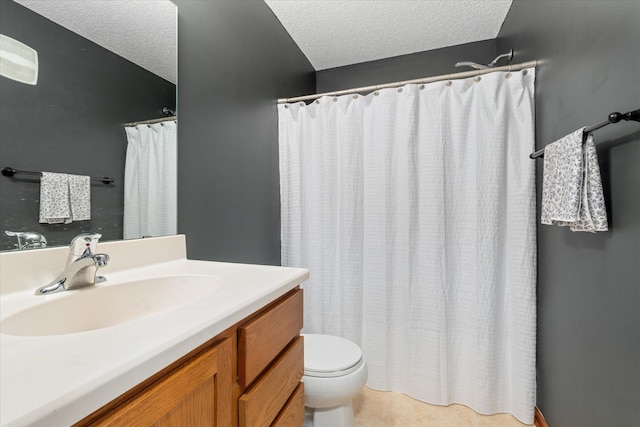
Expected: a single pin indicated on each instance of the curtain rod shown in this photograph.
(150, 122)
(515, 67)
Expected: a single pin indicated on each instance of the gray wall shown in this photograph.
(406, 67)
(235, 59)
(589, 338)
(71, 121)
(588, 285)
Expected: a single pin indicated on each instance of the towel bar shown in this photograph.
(613, 118)
(8, 171)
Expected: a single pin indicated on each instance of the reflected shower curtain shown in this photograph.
(414, 211)
(150, 180)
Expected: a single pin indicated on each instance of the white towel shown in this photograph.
(571, 187)
(64, 198)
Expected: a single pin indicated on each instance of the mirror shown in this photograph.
(72, 120)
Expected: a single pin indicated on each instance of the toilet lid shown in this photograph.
(326, 354)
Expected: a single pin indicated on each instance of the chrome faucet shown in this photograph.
(28, 239)
(81, 268)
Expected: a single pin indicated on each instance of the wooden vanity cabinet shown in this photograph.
(270, 361)
(265, 335)
(248, 376)
(192, 392)
(292, 415)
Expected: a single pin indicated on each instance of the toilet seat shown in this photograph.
(328, 356)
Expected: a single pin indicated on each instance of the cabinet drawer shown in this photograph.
(292, 415)
(260, 405)
(263, 338)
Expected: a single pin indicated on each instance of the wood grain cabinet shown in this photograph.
(248, 376)
(195, 392)
(270, 362)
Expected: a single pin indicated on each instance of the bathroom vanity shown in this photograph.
(233, 356)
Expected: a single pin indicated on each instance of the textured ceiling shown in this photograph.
(141, 31)
(333, 33)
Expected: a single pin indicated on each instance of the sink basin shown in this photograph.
(105, 305)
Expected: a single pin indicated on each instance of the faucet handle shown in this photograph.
(83, 245)
(93, 242)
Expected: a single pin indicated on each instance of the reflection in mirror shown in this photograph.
(150, 179)
(27, 239)
(72, 121)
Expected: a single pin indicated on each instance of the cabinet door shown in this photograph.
(196, 393)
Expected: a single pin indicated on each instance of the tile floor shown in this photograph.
(383, 409)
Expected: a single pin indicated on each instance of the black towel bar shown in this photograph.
(613, 118)
(7, 171)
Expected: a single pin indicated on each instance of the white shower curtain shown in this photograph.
(414, 210)
(150, 181)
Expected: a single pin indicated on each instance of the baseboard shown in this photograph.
(538, 419)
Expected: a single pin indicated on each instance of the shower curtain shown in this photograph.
(150, 180)
(414, 210)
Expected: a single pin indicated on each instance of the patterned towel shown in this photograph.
(80, 197)
(54, 198)
(571, 187)
(64, 198)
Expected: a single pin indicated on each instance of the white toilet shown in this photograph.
(334, 373)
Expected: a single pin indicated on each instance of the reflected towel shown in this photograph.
(80, 197)
(64, 198)
(54, 198)
(572, 188)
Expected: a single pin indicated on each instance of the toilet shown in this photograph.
(334, 374)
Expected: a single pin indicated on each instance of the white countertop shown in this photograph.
(57, 380)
